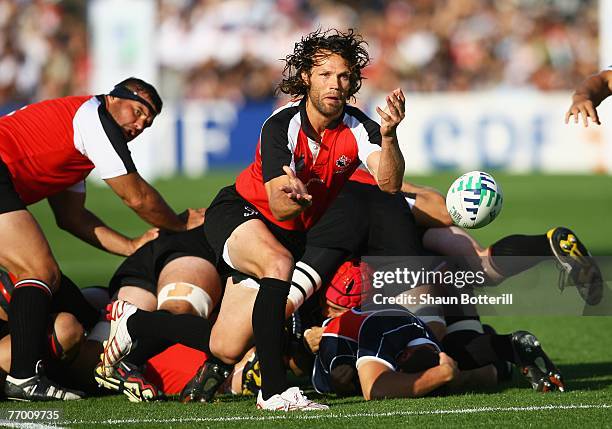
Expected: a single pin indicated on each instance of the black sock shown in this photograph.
(324, 261)
(146, 348)
(186, 329)
(268, 328)
(28, 320)
(474, 350)
(516, 253)
(69, 298)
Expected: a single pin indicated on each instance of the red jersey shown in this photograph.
(362, 175)
(347, 325)
(53, 145)
(287, 139)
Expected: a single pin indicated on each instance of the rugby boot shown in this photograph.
(205, 383)
(292, 399)
(38, 388)
(119, 342)
(129, 380)
(251, 376)
(577, 264)
(534, 364)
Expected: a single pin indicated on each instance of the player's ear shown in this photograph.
(306, 78)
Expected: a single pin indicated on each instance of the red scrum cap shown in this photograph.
(350, 284)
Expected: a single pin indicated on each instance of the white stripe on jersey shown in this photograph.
(91, 140)
(364, 145)
(292, 137)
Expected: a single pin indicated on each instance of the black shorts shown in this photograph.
(228, 211)
(363, 220)
(142, 268)
(10, 200)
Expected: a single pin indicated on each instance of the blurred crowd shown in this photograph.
(43, 50)
(231, 48)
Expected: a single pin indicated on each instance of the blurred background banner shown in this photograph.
(522, 132)
(487, 82)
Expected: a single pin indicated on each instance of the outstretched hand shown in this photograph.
(295, 190)
(585, 107)
(393, 113)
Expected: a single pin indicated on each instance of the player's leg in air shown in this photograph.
(510, 255)
(514, 254)
(186, 288)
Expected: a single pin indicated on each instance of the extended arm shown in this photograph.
(388, 164)
(141, 197)
(72, 216)
(378, 381)
(429, 209)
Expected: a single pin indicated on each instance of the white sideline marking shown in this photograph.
(26, 425)
(326, 415)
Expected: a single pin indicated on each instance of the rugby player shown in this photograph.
(307, 151)
(339, 341)
(47, 150)
(588, 95)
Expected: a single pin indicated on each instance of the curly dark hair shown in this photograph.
(309, 51)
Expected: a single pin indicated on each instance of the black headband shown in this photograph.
(121, 91)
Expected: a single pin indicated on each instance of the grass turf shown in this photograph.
(579, 345)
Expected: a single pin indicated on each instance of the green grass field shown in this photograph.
(579, 345)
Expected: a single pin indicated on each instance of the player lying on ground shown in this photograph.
(588, 95)
(339, 343)
(48, 149)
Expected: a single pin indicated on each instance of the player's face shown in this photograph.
(131, 115)
(329, 84)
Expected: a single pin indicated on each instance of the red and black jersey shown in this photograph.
(53, 145)
(287, 139)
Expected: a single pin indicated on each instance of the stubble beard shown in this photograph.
(328, 112)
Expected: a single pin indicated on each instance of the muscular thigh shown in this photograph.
(189, 283)
(26, 251)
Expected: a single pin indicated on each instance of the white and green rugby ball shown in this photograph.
(474, 200)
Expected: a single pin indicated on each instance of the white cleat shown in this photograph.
(292, 399)
(119, 342)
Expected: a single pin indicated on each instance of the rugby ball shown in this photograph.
(474, 200)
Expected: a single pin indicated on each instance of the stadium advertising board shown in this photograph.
(519, 132)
